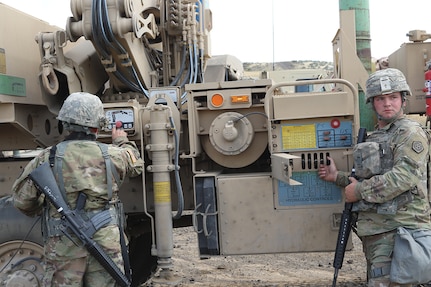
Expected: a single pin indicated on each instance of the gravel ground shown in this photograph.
(269, 270)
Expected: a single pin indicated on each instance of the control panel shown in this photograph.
(313, 191)
(311, 142)
(123, 116)
(327, 133)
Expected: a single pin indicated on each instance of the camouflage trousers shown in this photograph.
(67, 264)
(378, 251)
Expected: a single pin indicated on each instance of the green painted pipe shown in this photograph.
(363, 50)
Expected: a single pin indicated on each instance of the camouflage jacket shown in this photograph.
(407, 148)
(83, 171)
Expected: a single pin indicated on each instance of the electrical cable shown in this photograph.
(191, 57)
(183, 64)
(104, 37)
(111, 40)
(196, 64)
(249, 114)
(177, 173)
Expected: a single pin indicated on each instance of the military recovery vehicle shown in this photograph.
(235, 158)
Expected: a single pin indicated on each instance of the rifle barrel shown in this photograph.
(45, 181)
(345, 224)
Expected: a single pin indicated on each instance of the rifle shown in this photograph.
(347, 221)
(45, 182)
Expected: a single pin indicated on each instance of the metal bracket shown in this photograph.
(282, 168)
(147, 26)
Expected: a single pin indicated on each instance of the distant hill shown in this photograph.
(293, 69)
(287, 65)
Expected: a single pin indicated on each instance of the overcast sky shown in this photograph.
(281, 30)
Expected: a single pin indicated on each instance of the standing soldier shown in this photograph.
(392, 170)
(84, 168)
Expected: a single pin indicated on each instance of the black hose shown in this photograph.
(177, 173)
(183, 64)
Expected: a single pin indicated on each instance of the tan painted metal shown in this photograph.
(250, 224)
(250, 142)
(411, 59)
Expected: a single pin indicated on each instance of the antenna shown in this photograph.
(273, 38)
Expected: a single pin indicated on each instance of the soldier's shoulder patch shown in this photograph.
(417, 146)
(131, 155)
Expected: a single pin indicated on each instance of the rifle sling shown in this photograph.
(57, 226)
(56, 161)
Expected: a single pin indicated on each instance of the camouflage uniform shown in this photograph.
(83, 170)
(395, 192)
(407, 174)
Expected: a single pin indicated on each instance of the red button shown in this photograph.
(335, 123)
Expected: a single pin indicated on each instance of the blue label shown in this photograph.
(312, 191)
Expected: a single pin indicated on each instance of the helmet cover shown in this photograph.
(386, 81)
(83, 109)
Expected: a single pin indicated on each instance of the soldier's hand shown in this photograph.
(328, 172)
(350, 191)
(117, 132)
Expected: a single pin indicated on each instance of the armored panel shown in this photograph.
(249, 223)
(312, 105)
(411, 59)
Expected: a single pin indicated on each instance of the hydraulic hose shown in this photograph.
(104, 38)
(182, 67)
(177, 172)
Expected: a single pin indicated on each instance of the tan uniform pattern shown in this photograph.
(84, 171)
(404, 171)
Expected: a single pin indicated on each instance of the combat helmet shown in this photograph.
(386, 81)
(82, 109)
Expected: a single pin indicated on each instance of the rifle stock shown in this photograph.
(345, 224)
(45, 181)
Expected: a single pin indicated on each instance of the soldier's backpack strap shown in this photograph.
(110, 168)
(56, 161)
(112, 171)
(56, 156)
(103, 218)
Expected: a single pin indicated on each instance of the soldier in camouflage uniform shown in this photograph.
(392, 170)
(82, 165)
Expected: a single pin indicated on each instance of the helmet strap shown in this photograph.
(78, 128)
(80, 136)
(404, 96)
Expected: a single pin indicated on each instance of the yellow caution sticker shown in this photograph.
(2, 61)
(299, 137)
(162, 192)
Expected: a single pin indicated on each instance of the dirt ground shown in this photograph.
(269, 270)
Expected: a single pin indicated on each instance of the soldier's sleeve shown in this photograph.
(130, 156)
(342, 179)
(26, 197)
(410, 150)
